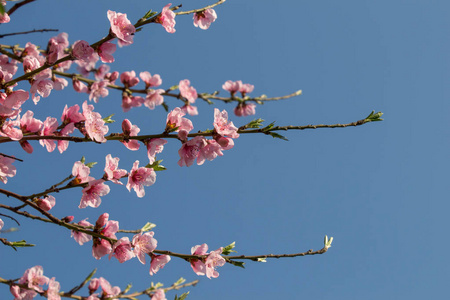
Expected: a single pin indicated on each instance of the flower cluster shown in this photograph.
(243, 109)
(34, 279)
(207, 265)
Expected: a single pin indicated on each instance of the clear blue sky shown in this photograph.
(381, 190)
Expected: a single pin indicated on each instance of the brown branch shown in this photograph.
(18, 5)
(200, 9)
(26, 32)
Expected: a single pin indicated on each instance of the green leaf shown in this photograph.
(108, 119)
(276, 135)
(166, 107)
(83, 159)
(373, 117)
(156, 166)
(91, 164)
(228, 249)
(180, 281)
(2, 9)
(182, 297)
(21, 243)
(149, 14)
(148, 226)
(257, 123)
(237, 263)
(127, 288)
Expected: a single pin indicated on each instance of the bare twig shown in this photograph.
(26, 32)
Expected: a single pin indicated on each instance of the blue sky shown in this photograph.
(379, 189)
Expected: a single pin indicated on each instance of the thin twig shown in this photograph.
(26, 32)
(200, 9)
(18, 5)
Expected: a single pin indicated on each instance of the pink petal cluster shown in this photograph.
(81, 237)
(102, 247)
(167, 19)
(94, 124)
(81, 173)
(150, 81)
(144, 243)
(154, 98)
(93, 192)
(204, 18)
(245, 109)
(121, 27)
(154, 146)
(6, 168)
(158, 262)
(122, 250)
(1, 224)
(222, 126)
(130, 130)
(107, 290)
(207, 266)
(56, 46)
(129, 102)
(105, 51)
(159, 294)
(187, 91)
(112, 171)
(237, 86)
(98, 89)
(129, 79)
(53, 290)
(176, 122)
(34, 278)
(82, 50)
(140, 177)
(46, 203)
(41, 85)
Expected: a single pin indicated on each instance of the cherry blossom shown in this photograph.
(176, 122)
(158, 262)
(140, 177)
(144, 243)
(121, 27)
(49, 127)
(68, 129)
(207, 266)
(189, 109)
(167, 19)
(232, 86)
(154, 98)
(189, 151)
(245, 109)
(130, 130)
(129, 102)
(2, 223)
(34, 278)
(94, 124)
(222, 126)
(105, 52)
(154, 146)
(107, 290)
(6, 168)
(187, 91)
(53, 290)
(81, 237)
(122, 250)
(129, 79)
(210, 151)
(107, 228)
(98, 89)
(81, 173)
(159, 294)
(46, 203)
(72, 114)
(204, 18)
(82, 50)
(111, 169)
(150, 81)
(41, 86)
(11, 130)
(79, 86)
(93, 192)
(59, 83)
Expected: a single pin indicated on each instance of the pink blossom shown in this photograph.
(102, 247)
(82, 50)
(210, 151)
(150, 81)
(108, 290)
(122, 250)
(34, 278)
(26, 146)
(167, 19)
(56, 46)
(6, 168)
(1, 226)
(140, 177)
(31, 50)
(10, 130)
(111, 169)
(47, 203)
(94, 124)
(129, 79)
(189, 109)
(130, 130)
(213, 261)
(59, 83)
(94, 284)
(81, 237)
(158, 262)
(246, 88)
(21, 293)
(154, 146)
(121, 27)
(42, 86)
(30, 63)
(190, 150)
(84, 67)
(232, 87)
(154, 98)
(204, 18)
(53, 290)
(175, 119)
(222, 126)
(7, 65)
(29, 124)
(111, 77)
(79, 86)
(49, 127)
(144, 243)
(93, 192)
(10, 106)
(68, 129)
(4, 18)
(159, 294)
(72, 114)
(105, 52)
(81, 173)
(129, 102)
(245, 109)
(98, 89)
(197, 264)
(187, 91)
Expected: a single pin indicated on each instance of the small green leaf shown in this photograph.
(278, 136)
(127, 288)
(108, 119)
(257, 123)
(166, 107)
(156, 166)
(148, 226)
(182, 297)
(237, 263)
(91, 164)
(228, 249)
(149, 14)
(2, 9)
(82, 160)
(373, 117)
(21, 243)
(180, 281)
